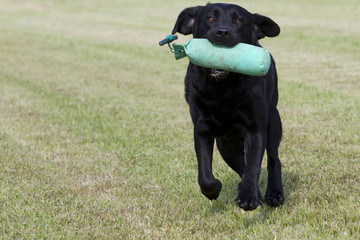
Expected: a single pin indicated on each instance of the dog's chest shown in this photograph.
(226, 105)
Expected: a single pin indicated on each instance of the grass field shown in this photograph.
(96, 138)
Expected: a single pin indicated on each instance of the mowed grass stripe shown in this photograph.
(88, 125)
(91, 120)
(123, 95)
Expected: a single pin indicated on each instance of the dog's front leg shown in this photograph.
(204, 146)
(248, 193)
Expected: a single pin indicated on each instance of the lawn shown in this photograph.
(96, 138)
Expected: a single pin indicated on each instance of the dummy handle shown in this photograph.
(168, 39)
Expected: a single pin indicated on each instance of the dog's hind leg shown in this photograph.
(232, 151)
(274, 195)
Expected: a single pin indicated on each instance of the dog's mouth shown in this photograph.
(225, 43)
(222, 42)
(218, 74)
(215, 73)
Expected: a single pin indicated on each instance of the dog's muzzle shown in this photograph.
(218, 74)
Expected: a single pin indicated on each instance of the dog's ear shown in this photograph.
(186, 20)
(264, 26)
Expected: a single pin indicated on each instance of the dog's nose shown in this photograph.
(223, 33)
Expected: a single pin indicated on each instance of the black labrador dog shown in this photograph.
(236, 110)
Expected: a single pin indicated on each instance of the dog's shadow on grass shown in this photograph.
(226, 199)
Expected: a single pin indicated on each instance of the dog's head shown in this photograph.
(225, 24)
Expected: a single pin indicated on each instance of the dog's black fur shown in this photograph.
(237, 110)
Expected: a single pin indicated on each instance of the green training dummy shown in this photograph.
(242, 58)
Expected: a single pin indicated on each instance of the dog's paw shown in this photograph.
(211, 190)
(248, 200)
(274, 198)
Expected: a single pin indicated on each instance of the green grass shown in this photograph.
(96, 138)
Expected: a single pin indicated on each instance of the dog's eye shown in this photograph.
(238, 21)
(211, 19)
